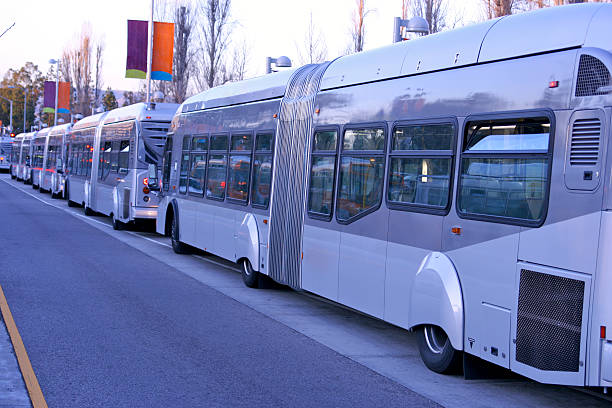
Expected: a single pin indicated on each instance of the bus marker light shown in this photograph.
(317, 111)
(145, 181)
(146, 190)
(553, 84)
(456, 230)
(275, 116)
(602, 332)
(265, 221)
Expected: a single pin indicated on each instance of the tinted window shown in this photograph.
(364, 139)
(423, 137)
(527, 134)
(262, 180)
(218, 142)
(264, 142)
(215, 184)
(184, 173)
(199, 143)
(322, 173)
(324, 141)
(186, 141)
(242, 142)
(496, 184)
(196, 175)
(124, 156)
(238, 177)
(360, 186)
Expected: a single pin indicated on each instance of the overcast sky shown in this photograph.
(270, 27)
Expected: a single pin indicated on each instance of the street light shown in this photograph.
(280, 62)
(56, 62)
(416, 25)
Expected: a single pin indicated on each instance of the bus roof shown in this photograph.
(60, 129)
(545, 30)
(139, 111)
(89, 121)
(250, 90)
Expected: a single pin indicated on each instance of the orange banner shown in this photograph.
(63, 97)
(163, 51)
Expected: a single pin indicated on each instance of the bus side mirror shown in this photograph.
(153, 182)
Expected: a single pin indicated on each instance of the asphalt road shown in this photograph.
(105, 325)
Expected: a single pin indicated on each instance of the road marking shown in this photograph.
(36, 395)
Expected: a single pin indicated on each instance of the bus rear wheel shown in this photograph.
(177, 245)
(250, 277)
(436, 350)
(117, 225)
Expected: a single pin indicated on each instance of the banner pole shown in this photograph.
(150, 55)
(56, 90)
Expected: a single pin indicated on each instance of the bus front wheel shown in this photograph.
(177, 245)
(249, 276)
(437, 351)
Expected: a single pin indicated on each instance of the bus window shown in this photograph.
(167, 164)
(197, 173)
(124, 156)
(239, 167)
(322, 174)
(262, 170)
(420, 166)
(362, 168)
(504, 170)
(184, 171)
(215, 183)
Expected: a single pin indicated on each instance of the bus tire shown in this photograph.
(437, 351)
(89, 211)
(250, 277)
(117, 225)
(178, 246)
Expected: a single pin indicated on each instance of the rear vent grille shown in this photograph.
(549, 321)
(592, 75)
(584, 149)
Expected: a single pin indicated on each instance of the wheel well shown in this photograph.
(169, 218)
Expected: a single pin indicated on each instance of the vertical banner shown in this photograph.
(136, 65)
(163, 51)
(63, 97)
(49, 97)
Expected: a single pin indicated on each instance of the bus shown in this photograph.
(55, 160)
(457, 185)
(79, 147)
(49, 158)
(39, 146)
(126, 140)
(23, 172)
(15, 152)
(6, 149)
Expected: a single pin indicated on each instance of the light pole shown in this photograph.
(56, 62)
(280, 62)
(11, 112)
(25, 106)
(414, 25)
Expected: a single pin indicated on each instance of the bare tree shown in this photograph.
(240, 61)
(498, 8)
(358, 29)
(214, 33)
(76, 67)
(183, 52)
(97, 89)
(433, 11)
(314, 49)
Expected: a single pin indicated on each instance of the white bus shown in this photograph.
(6, 150)
(118, 146)
(457, 185)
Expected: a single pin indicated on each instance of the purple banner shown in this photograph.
(49, 98)
(136, 65)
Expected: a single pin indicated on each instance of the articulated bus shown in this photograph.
(6, 150)
(457, 185)
(108, 158)
(48, 159)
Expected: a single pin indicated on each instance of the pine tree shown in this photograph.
(109, 101)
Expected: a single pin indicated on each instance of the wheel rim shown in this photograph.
(435, 338)
(247, 270)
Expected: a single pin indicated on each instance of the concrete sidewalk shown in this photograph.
(13, 392)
